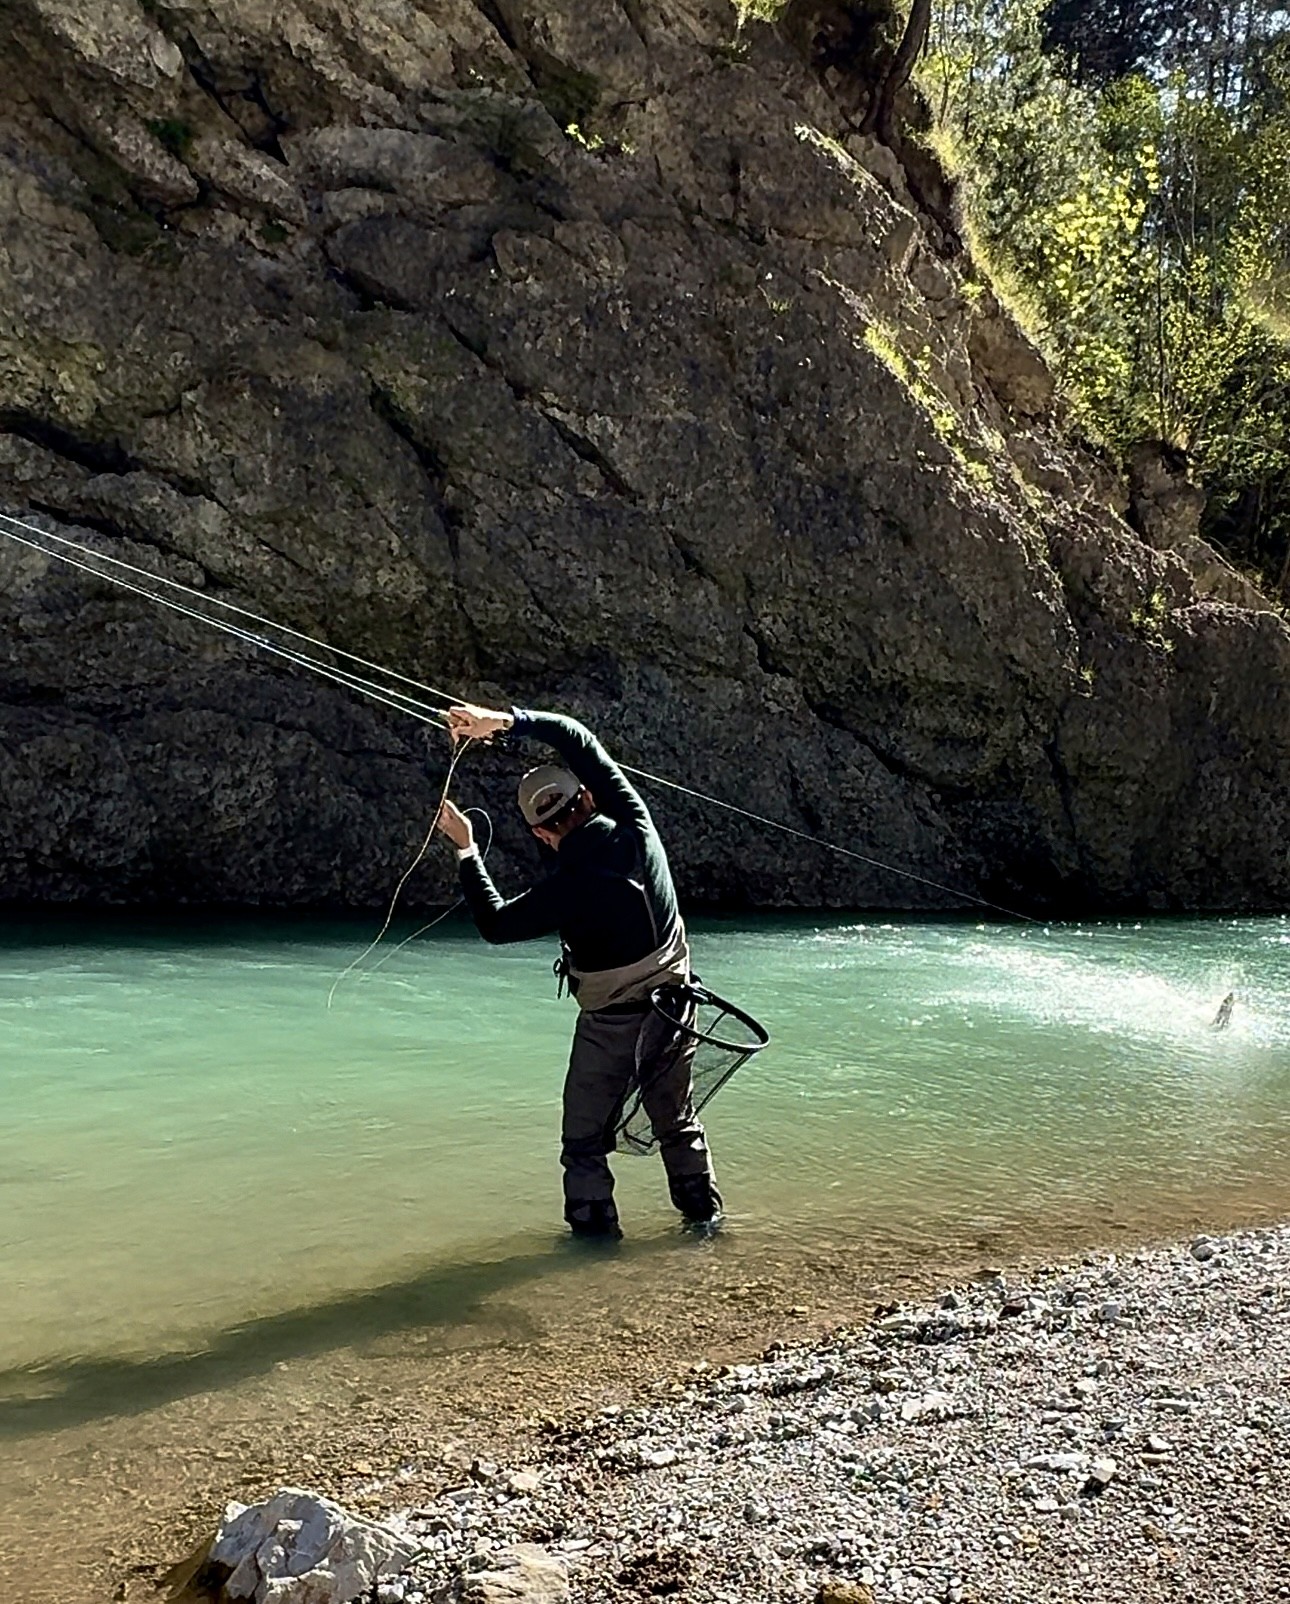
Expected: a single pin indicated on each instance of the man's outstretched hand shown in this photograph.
(453, 823)
(469, 723)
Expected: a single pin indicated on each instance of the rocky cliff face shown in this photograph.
(582, 352)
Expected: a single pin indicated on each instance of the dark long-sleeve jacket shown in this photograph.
(610, 895)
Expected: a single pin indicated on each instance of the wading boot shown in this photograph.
(595, 1221)
(698, 1200)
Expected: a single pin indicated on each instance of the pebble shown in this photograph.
(1060, 1462)
(931, 1406)
(844, 1592)
(1101, 1474)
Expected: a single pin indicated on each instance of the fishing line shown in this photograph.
(217, 601)
(398, 700)
(460, 903)
(831, 846)
(421, 710)
(371, 947)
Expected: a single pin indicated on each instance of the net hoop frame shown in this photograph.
(702, 995)
(636, 1142)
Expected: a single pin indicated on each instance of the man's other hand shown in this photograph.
(469, 723)
(453, 823)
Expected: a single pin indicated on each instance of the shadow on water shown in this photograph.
(79, 1392)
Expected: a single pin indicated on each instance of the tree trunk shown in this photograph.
(911, 47)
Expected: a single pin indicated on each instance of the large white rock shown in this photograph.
(300, 1549)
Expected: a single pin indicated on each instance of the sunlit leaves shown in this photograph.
(1142, 208)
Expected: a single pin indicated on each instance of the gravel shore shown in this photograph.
(1116, 1431)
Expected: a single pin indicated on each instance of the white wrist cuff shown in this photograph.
(472, 851)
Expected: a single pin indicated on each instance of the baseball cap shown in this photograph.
(545, 791)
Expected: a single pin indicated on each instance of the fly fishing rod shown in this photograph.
(393, 698)
(127, 576)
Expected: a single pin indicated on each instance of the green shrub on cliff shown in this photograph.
(1134, 184)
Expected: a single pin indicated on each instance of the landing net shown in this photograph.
(689, 1028)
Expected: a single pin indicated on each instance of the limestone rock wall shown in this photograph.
(584, 353)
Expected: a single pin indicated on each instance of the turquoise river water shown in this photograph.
(196, 1151)
(163, 1092)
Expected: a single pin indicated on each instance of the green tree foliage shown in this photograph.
(1128, 172)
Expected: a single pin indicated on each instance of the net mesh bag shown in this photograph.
(689, 1028)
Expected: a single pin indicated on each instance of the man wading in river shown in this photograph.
(612, 900)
